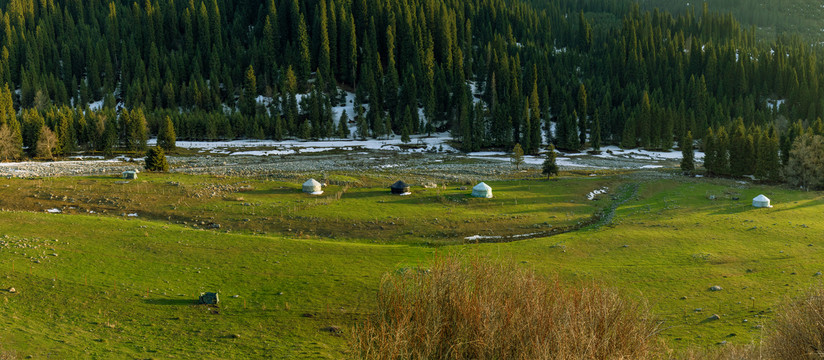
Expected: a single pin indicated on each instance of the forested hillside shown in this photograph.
(770, 17)
(492, 72)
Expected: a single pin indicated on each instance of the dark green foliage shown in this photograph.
(582, 113)
(650, 76)
(550, 168)
(156, 160)
(687, 154)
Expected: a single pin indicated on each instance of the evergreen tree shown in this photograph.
(166, 137)
(596, 132)
(517, 156)
(248, 98)
(550, 167)
(362, 123)
(710, 153)
(687, 154)
(582, 114)
(343, 125)
(156, 160)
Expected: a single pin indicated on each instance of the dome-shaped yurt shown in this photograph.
(761, 201)
(312, 187)
(482, 190)
(400, 188)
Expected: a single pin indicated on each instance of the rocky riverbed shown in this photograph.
(447, 165)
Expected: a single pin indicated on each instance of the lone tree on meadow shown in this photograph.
(687, 154)
(156, 160)
(517, 156)
(550, 167)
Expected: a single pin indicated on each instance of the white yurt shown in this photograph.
(761, 201)
(130, 174)
(313, 187)
(482, 190)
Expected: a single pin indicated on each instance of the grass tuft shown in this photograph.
(480, 309)
(798, 329)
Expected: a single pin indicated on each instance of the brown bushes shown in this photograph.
(798, 330)
(477, 309)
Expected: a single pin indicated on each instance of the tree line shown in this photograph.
(494, 73)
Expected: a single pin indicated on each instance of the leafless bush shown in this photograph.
(481, 309)
(798, 329)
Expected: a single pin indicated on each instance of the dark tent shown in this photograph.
(400, 188)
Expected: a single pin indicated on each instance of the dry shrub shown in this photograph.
(798, 329)
(480, 309)
(726, 352)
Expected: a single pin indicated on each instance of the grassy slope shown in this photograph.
(679, 244)
(136, 270)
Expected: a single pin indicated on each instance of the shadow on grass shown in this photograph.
(177, 302)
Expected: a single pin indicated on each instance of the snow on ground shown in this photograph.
(53, 211)
(608, 152)
(96, 106)
(437, 142)
(264, 100)
(529, 159)
(594, 193)
(496, 237)
(775, 104)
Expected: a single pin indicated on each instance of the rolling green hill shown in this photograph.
(106, 285)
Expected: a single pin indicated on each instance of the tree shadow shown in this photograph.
(176, 302)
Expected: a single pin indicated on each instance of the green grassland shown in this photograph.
(356, 210)
(122, 287)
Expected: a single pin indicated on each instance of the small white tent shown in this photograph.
(761, 201)
(482, 190)
(130, 174)
(312, 187)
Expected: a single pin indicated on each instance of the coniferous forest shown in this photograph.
(493, 73)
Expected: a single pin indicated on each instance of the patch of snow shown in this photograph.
(775, 104)
(641, 154)
(96, 106)
(54, 211)
(495, 237)
(132, 215)
(652, 166)
(419, 143)
(594, 193)
(264, 100)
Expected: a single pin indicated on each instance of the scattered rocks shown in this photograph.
(12, 290)
(716, 288)
(817, 273)
(208, 298)
(714, 317)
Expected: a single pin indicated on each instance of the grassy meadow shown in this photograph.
(92, 282)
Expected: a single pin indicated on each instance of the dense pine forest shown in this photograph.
(106, 75)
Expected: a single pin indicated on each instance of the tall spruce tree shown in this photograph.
(687, 154)
(550, 167)
(166, 138)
